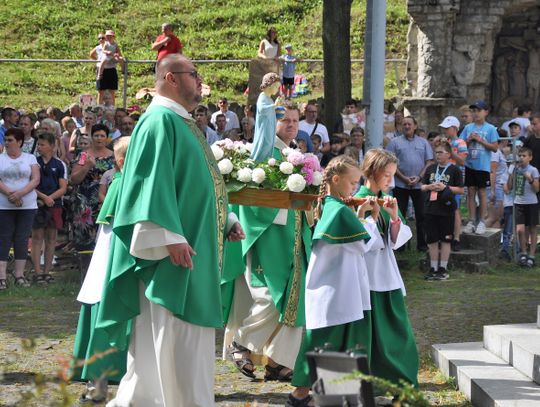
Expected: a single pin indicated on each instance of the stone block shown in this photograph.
(488, 242)
(465, 257)
(538, 317)
(478, 267)
(485, 379)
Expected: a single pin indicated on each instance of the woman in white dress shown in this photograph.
(270, 48)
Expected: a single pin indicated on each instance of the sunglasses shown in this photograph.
(193, 73)
(101, 38)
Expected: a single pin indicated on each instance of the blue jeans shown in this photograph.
(508, 228)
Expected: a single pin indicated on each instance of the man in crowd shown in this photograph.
(127, 125)
(167, 43)
(221, 125)
(201, 117)
(312, 126)
(267, 309)
(414, 154)
(76, 113)
(10, 118)
(230, 117)
(166, 257)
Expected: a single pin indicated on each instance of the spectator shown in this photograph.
(495, 194)
(127, 124)
(76, 114)
(119, 114)
(481, 138)
(19, 176)
(450, 128)
(316, 140)
(52, 187)
(86, 175)
(415, 155)
(465, 116)
(248, 127)
(97, 52)
(523, 113)
(68, 127)
(231, 117)
(441, 182)
(304, 137)
(357, 141)
(336, 144)
(89, 120)
(269, 48)
(10, 118)
(48, 126)
(508, 221)
(52, 114)
(514, 128)
(30, 139)
(201, 117)
(526, 186)
(107, 77)
(533, 140)
(311, 126)
(289, 68)
(167, 43)
(221, 125)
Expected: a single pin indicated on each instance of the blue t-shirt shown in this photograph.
(479, 157)
(288, 66)
(50, 175)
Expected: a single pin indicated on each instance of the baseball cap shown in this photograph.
(109, 32)
(288, 46)
(449, 121)
(514, 123)
(479, 104)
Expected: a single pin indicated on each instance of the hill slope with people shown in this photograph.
(208, 29)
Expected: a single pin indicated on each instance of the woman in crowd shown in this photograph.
(49, 126)
(26, 123)
(86, 174)
(269, 48)
(19, 176)
(89, 118)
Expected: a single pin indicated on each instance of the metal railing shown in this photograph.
(127, 62)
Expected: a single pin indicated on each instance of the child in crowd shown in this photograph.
(52, 187)
(495, 192)
(88, 341)
(289, 67)
(481, 138)
(84, 143)
(526, 186)
(337, 285)
(442, 181)
(450, 127)
(515, 133)
(317, 140)
(111, 52)
(392, 351)
(336, 143)
(106, 180)
(508, 222)
(68, 127)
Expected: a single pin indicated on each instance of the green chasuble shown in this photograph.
(339, 223)
(279, 255)
(170, 178)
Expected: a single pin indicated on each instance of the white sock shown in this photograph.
(434, 264)
(444, 264)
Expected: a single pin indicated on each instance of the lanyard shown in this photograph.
(439, 176)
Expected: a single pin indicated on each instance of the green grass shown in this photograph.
(209, 29)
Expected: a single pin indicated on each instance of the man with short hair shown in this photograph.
(231, 118)
(221, 125)
(166, 254)
(312, 126)
(10, 118)
(201, 117)
(415, 155)
(167, 43)
(76, 114)
(126, 126)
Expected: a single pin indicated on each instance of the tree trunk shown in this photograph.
(337, 58)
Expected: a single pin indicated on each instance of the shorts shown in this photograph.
(526, 214)
(438, 228)
(458, 201)
(288, 81)
(476, 178)
(499, 193)
(54, 221)
(109, 81)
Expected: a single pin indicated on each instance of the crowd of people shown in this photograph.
(173, 261)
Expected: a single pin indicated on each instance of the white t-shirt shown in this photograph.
(270, 49)
(15, 174)
(230, 116)
(321, 130)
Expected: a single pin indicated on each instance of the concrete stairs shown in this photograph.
(501, 371)
(478, 251)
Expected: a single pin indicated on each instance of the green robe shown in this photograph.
(170, 178)
(279, 255)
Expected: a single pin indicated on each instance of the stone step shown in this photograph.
(489, 243)
(486, 380)
(479, 267)
(465, 256)
(516, 344)
(538, 317)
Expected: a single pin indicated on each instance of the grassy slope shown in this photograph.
(210, 29)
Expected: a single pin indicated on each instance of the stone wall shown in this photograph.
(453, 45)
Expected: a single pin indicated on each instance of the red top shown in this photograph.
(174, 46)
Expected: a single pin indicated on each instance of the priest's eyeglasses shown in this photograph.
(193, 73)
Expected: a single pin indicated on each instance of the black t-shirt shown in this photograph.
(50, 174)
(451, 176)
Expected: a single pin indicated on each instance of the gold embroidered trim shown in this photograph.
(342, 237)
(291, 311)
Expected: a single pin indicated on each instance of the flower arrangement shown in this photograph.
(297, 172)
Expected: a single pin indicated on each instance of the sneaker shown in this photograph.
(431, 274)
(522, 259)
(469, 227)
(480, 228)
(529, 262)
(456, 245)
(442, 274)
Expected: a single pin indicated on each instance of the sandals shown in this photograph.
(276, 373)
(294, 402)
(3, 284)
(21, 282)
(40, 279)
(241, 362)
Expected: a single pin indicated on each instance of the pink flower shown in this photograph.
(312, 162)
(308, 174)
(295, 158)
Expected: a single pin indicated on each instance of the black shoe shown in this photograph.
(431, 274)
(456, 245)
(442, 274)
(294, 402)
